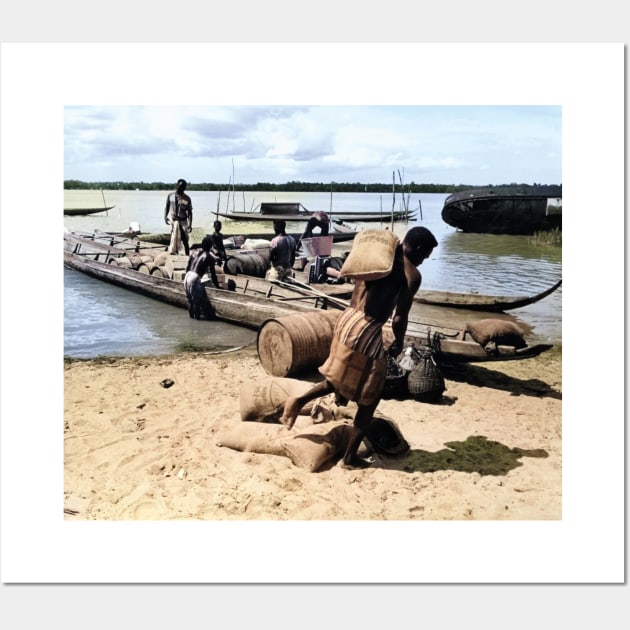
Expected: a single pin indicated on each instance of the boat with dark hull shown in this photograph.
(274, 211)
(84, 211)
(496, 212)
(245, 301)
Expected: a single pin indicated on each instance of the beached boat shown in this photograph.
(249, 302)
(479, 302)
(153, 259)
(340, 234)
(273, 211)
(82, 211)
(495, 212)
(104, 242)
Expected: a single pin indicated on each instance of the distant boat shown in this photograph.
(273, 211)
(80, 211)
(494, 212)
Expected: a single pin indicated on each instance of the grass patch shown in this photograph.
(192, 346)
(547, 237)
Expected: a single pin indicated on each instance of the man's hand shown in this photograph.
(189, 229)
(167, 221)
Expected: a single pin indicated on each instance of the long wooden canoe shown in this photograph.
(478, 302)
(81, 211)
(164, 238)
(254, 301)
(104, 248)
(357, 217)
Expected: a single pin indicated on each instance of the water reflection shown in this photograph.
(103, 319)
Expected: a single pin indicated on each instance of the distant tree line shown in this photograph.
(335, 187)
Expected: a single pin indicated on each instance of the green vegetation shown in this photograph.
(193, 346)
(335, 187)
(547, 237)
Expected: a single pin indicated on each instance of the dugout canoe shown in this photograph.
(130, 254)
(164, 238)
(290, 211)
(82, 211)
(356, 217)
(478, 302)
(243, 309)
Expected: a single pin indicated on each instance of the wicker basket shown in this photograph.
(395, 380)
(425, 382)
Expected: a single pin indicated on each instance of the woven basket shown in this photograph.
(395, 380)
(425, 382)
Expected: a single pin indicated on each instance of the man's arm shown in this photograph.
(400, 319)
(293, 247)
(166, 208)
(211, 259)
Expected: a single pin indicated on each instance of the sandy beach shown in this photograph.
(491, 449)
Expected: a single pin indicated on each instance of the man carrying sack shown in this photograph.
(386, 279)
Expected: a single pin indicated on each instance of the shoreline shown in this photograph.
(135, 450)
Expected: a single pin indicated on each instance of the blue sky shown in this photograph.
(457, 144)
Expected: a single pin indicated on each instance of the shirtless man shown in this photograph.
(198, 264)
(357, 364)
(318, 220)
(218, 247)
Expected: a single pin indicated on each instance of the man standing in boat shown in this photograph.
(357, 362)
(318, 220)
(218, 247)
(178, 214)
(281, 252)
(199, 264)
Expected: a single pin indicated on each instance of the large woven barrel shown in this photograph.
(425, 381)
(250, 264)
(296, 343)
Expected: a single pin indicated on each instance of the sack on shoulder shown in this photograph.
(372, 255)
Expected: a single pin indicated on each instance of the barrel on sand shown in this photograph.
(297, 343)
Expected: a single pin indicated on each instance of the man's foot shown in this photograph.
(355, 462)
(291, 411)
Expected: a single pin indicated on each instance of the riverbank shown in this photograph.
(134, 449)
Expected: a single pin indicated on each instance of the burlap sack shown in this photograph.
(312, 450)
(502, 333)
(372, 255)
(255, 438)
(263, 401)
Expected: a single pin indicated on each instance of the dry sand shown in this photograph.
(491, 450)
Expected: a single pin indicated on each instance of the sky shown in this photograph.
(459, 144)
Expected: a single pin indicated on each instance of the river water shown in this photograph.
(101, 319)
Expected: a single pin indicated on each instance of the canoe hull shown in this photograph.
(478, 302)
(359, 217)
(84, 211)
